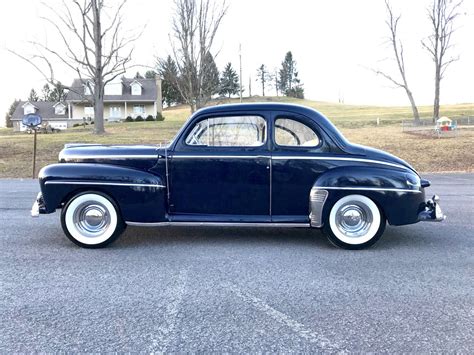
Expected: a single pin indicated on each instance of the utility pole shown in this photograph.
(250, 86)
(240, 64)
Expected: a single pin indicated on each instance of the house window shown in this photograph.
(139, 110)
(60, 109)
(115, 112)
(89, 111)
(28, 109)
(136, 89)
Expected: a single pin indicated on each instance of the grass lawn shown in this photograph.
(356, 122)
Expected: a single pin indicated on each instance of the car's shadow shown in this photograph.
(393, 238)
(135, 236)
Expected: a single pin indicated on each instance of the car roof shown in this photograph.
(309, 112)
(256, 106)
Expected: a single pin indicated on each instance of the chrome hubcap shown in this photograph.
(354, 220)
(91, 219)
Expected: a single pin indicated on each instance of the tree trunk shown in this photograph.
(436, 95)
(99, 80)
(193, 107)
(98, 110)
(416, 115)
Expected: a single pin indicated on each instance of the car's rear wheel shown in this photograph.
(92, 220)
(354, 222)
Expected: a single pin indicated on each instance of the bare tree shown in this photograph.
(93, 45)
(397, 47)
(195, 24)
(263, 76)
(442, 15)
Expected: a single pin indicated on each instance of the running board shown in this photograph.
(219, 224)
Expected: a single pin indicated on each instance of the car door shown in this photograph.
(220, 170)
(297, 141)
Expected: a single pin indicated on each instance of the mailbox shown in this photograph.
(32, 120)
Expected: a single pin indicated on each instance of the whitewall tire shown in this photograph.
(91, 220)
(354, 222)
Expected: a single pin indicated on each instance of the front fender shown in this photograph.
(397, 192)
(141, 196)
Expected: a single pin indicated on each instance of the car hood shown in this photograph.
(139, 156)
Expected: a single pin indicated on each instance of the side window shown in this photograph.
(232, 131)
(292, 133)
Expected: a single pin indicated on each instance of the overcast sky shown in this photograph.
(333, 43)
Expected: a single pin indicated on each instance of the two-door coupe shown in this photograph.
(255, 165)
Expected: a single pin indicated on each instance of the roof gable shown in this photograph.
(149, 91)
(46, 109)
(135, 82)
(28, 103)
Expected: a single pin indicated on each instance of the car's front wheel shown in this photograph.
(91, 220)
(354, 222)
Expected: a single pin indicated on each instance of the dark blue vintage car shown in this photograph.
(258, 165)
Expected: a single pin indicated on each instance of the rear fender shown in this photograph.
(141, 196)
(397, 192)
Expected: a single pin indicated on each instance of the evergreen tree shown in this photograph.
(9, 114)
(168, 71)
(59, 93)
(46, 92)
(150, 74)
(289, 83)
(138, 75)
(297, 92)
(33, 96)
(210, 84)
(229, 82)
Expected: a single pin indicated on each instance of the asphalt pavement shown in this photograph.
(239, 290)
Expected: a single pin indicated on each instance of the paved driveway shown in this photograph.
(237, 290)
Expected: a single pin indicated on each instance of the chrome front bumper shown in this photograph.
(38, 206)
(35, 210)
(432, 211)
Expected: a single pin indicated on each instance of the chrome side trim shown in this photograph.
(109, 156)
(317, 199)
(367, 189)
(59, 182)
(218, 224)
(362, 160)
(221, 156)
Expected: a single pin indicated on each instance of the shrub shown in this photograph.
(149, 118)
(129, 119)
(92, 122)
(160, 117)
(77, 125)
(139, 119)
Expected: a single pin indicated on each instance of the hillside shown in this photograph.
(342, 114)
(358, 123)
